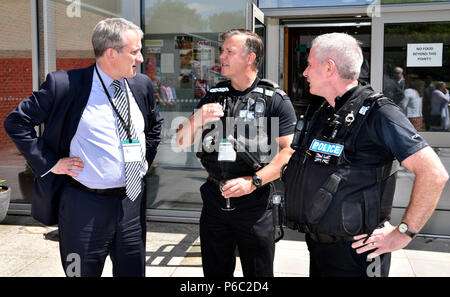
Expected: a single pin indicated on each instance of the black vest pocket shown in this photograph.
(318, 206)
(352, 217)
(372, 209)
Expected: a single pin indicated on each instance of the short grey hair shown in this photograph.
(108, 34)
(343, 49)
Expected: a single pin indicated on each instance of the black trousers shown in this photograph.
(341, 260)
(249, 228)
(91, 226)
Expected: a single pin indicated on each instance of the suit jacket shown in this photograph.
(59, 104)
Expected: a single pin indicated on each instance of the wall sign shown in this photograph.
(424, 55)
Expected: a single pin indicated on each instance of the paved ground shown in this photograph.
(173, 250)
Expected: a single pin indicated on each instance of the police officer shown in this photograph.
(238, 122)
(340, 181)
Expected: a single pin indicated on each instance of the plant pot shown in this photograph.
(5, 197)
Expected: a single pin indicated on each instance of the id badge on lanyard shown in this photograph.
(131, 151)
(226, 151)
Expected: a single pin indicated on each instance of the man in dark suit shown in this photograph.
(101, 133)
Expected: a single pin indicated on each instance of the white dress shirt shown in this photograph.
(97, 140)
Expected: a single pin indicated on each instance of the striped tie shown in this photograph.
(132, 169)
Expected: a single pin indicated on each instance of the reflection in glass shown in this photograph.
(17, 83)
(321, 3)
(182, 59)
(416, 72)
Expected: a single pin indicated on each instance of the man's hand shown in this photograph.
(238, 187)
(210, 112)
(383, 240)
(64, 166)
(190, 130)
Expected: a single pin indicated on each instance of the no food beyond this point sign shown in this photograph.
(424, 55)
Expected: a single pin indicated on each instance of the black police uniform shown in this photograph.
(249, 226)
(341, 180)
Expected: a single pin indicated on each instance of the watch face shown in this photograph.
(402, 227)
(257, 181)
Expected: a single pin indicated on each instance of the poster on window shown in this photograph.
(185, 46)
(153, 66)
(424, 55)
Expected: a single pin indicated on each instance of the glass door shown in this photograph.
(297, 44)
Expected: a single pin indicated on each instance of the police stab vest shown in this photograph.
(244, 120)
(324, 192)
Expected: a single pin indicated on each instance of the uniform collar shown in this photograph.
(340, 100)
(246, 91)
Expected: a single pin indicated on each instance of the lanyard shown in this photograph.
(126, 125)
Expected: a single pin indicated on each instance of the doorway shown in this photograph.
(297, 44)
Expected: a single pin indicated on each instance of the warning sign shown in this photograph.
(424, 55)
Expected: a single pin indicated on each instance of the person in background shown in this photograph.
(412, 102)
(426, 103)
(439, 107)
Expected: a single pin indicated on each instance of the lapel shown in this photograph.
(81, 90)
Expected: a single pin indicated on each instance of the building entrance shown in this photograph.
(297, 44)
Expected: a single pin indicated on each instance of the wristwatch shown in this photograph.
(257, 181)
(403, 228)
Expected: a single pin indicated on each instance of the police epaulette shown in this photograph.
(219, 90)
(263, 91)
(273, 85)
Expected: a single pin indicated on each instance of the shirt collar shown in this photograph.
(107, 80)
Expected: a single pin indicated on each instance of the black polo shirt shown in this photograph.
(386, 134)
(280, 107)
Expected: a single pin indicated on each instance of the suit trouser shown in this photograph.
(91, 226)
(249, 228)
(341, 260)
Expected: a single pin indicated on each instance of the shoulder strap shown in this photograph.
(365, 107)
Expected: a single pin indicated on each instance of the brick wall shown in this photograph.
(17, 84)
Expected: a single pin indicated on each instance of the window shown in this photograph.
(416, 64)
(16, 80)
(182, 59)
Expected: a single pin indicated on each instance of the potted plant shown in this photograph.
(5, 197)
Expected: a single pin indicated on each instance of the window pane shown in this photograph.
(322, 3)
(416, 72)
(182, 59)
(17, 83)
(65, 30)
